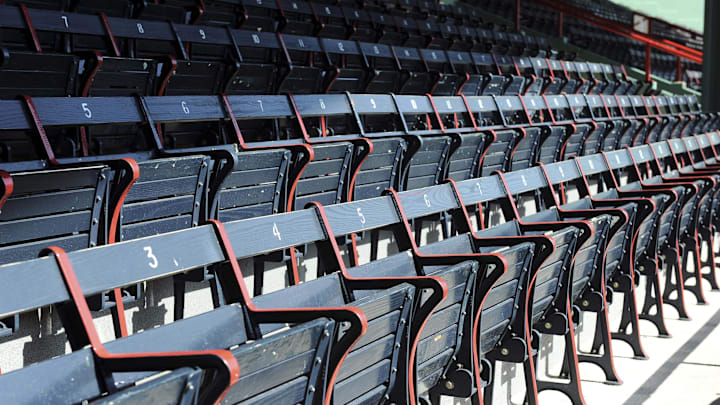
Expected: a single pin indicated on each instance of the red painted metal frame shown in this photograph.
(228, 370)
(30, 27)
(124, 163)
(49, 154)
(436, 284)
(539, 240)
(490, 258)
(620, 29)
(561, 16)
(669, 24)
(7, 182)
(86, 88)
(354, 316)
(648, 63)
(304, 147)
(111, 36)
(134, 173)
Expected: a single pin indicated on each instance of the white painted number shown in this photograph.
(372, 102)
(427, 200)
(301, 43)
(360, 214)
(448, 104)
(562, 172)
(478, 187)
(524, 180)
(322, 104)
(341, 47)
(255, 38)
(86, 109)
(413, 104)
(153, 260)
(140, 28)
(202, 34)
(592, 165)
(276, 231)
(185, 108)
(261, 106)
(64, 18)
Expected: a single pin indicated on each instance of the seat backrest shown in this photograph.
(345, 58)
(61, 207)
(33, 74)
(331, 21)
(427, 165)
(499, 310)
(256, 72)
(162, 256)
(418, 80)
(382, 62)
(554, 142)
(177, 11)
(526, 150)
(515, 82)
(585, 128)
(228, 328)
(554, 272)
(388, 312)
(296, 17)
(304, 77)
(465, 159)
(259, 15)
(362, 28)
(118, 76)
(257, 185)
(15, 33)
(169, 195)
(437, 61)
(327, 177)
(443, 333)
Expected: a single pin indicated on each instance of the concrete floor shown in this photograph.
(684, 369)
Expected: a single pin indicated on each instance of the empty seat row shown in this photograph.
(121, 57)
(619, 48)
(403, 23)
(428, 320)
(140, 167)
(91, 126)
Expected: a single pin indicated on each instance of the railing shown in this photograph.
(650, 41)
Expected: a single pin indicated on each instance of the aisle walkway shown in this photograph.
(682, 370)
